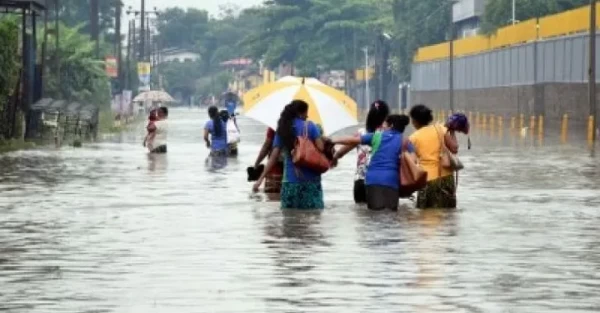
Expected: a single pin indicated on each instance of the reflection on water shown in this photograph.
(109, 228)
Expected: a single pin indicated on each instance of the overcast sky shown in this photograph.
(210, 5)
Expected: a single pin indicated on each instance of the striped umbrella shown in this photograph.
(328, 107)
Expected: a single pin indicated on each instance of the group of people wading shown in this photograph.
(380, 146)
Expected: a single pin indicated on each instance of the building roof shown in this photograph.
(237, 62)
(33, 5)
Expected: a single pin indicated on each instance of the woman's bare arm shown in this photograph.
(206, 139)
(351, 141)
(451, 142)
(272, 161)
(264, 151)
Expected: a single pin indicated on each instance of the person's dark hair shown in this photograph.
(164, 111)
(224, 115)
(378, 111)
(398, 122)
(213, 113)
(421, 114)
(285, 125)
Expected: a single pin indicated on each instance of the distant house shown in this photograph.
(466, 16)
(178, 55)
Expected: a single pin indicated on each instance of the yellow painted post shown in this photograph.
(541, 129)
(564, 127)
(492, 124)
(477, 120)
(590, 130)
(532, 124)
(521, 121)
(500, 126)
(484, 120)
(513, 123)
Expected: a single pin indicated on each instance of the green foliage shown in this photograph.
(76, 12)
(82, 76)
(9, 57)
(9, 65)
(417, 23)
(498, 13)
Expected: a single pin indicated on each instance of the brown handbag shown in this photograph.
(412, 176)
(306, 154)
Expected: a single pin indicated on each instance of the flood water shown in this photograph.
(104, 228)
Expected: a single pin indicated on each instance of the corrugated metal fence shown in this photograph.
(557, 60)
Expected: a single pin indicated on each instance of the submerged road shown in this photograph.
(104, 228)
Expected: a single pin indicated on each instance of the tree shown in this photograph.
(9, 75)
(417, 23)
(182, 28)
(75, 12)
(498, 13)
(82, 76)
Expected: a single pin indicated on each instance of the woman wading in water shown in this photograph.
(301, 187)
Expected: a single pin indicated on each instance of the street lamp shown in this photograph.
(592, 75)
(143, 26)
(451, 56)
(514, 12)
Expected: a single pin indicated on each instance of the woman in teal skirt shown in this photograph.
(301, 187)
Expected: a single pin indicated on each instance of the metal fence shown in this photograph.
(558, 60)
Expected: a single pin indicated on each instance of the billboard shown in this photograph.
(144, 75)
(111, 67)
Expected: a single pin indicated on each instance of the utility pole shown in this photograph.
(57, 44)
(514, 12)
(118, 45)
(143, 33)
(94, 25)
(451, 63)
(128, 60)
(44, 54)
(592, 71)
(367, 96)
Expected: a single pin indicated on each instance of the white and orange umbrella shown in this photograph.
(327, 106)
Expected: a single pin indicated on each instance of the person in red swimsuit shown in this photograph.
(273, 179)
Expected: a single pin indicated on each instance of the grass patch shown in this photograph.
(15, 144)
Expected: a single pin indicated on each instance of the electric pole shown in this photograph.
(94, 24)
(592, 71)
(143, 33)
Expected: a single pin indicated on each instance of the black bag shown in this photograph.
(254, 173)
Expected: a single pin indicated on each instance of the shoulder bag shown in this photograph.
(448, 159)
(306, 154)
(412, 176)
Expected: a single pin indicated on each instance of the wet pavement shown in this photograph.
(104, 228)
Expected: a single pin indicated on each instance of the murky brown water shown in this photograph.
(105, 229)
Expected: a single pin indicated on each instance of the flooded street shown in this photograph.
(104, 228)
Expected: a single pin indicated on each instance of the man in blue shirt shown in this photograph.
(231, 105)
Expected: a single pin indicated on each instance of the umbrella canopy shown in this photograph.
(154, 96)
(327, 106)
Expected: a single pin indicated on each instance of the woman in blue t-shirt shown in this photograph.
(301, 187)
(217, 129)
(382, 179)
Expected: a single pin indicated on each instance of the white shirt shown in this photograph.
(160, 137)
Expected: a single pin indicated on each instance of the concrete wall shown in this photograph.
(547, 77)
(553, 101)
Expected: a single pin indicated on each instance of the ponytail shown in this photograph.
(213, 113)
(285, 126)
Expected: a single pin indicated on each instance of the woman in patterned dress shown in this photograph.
(301, 186)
